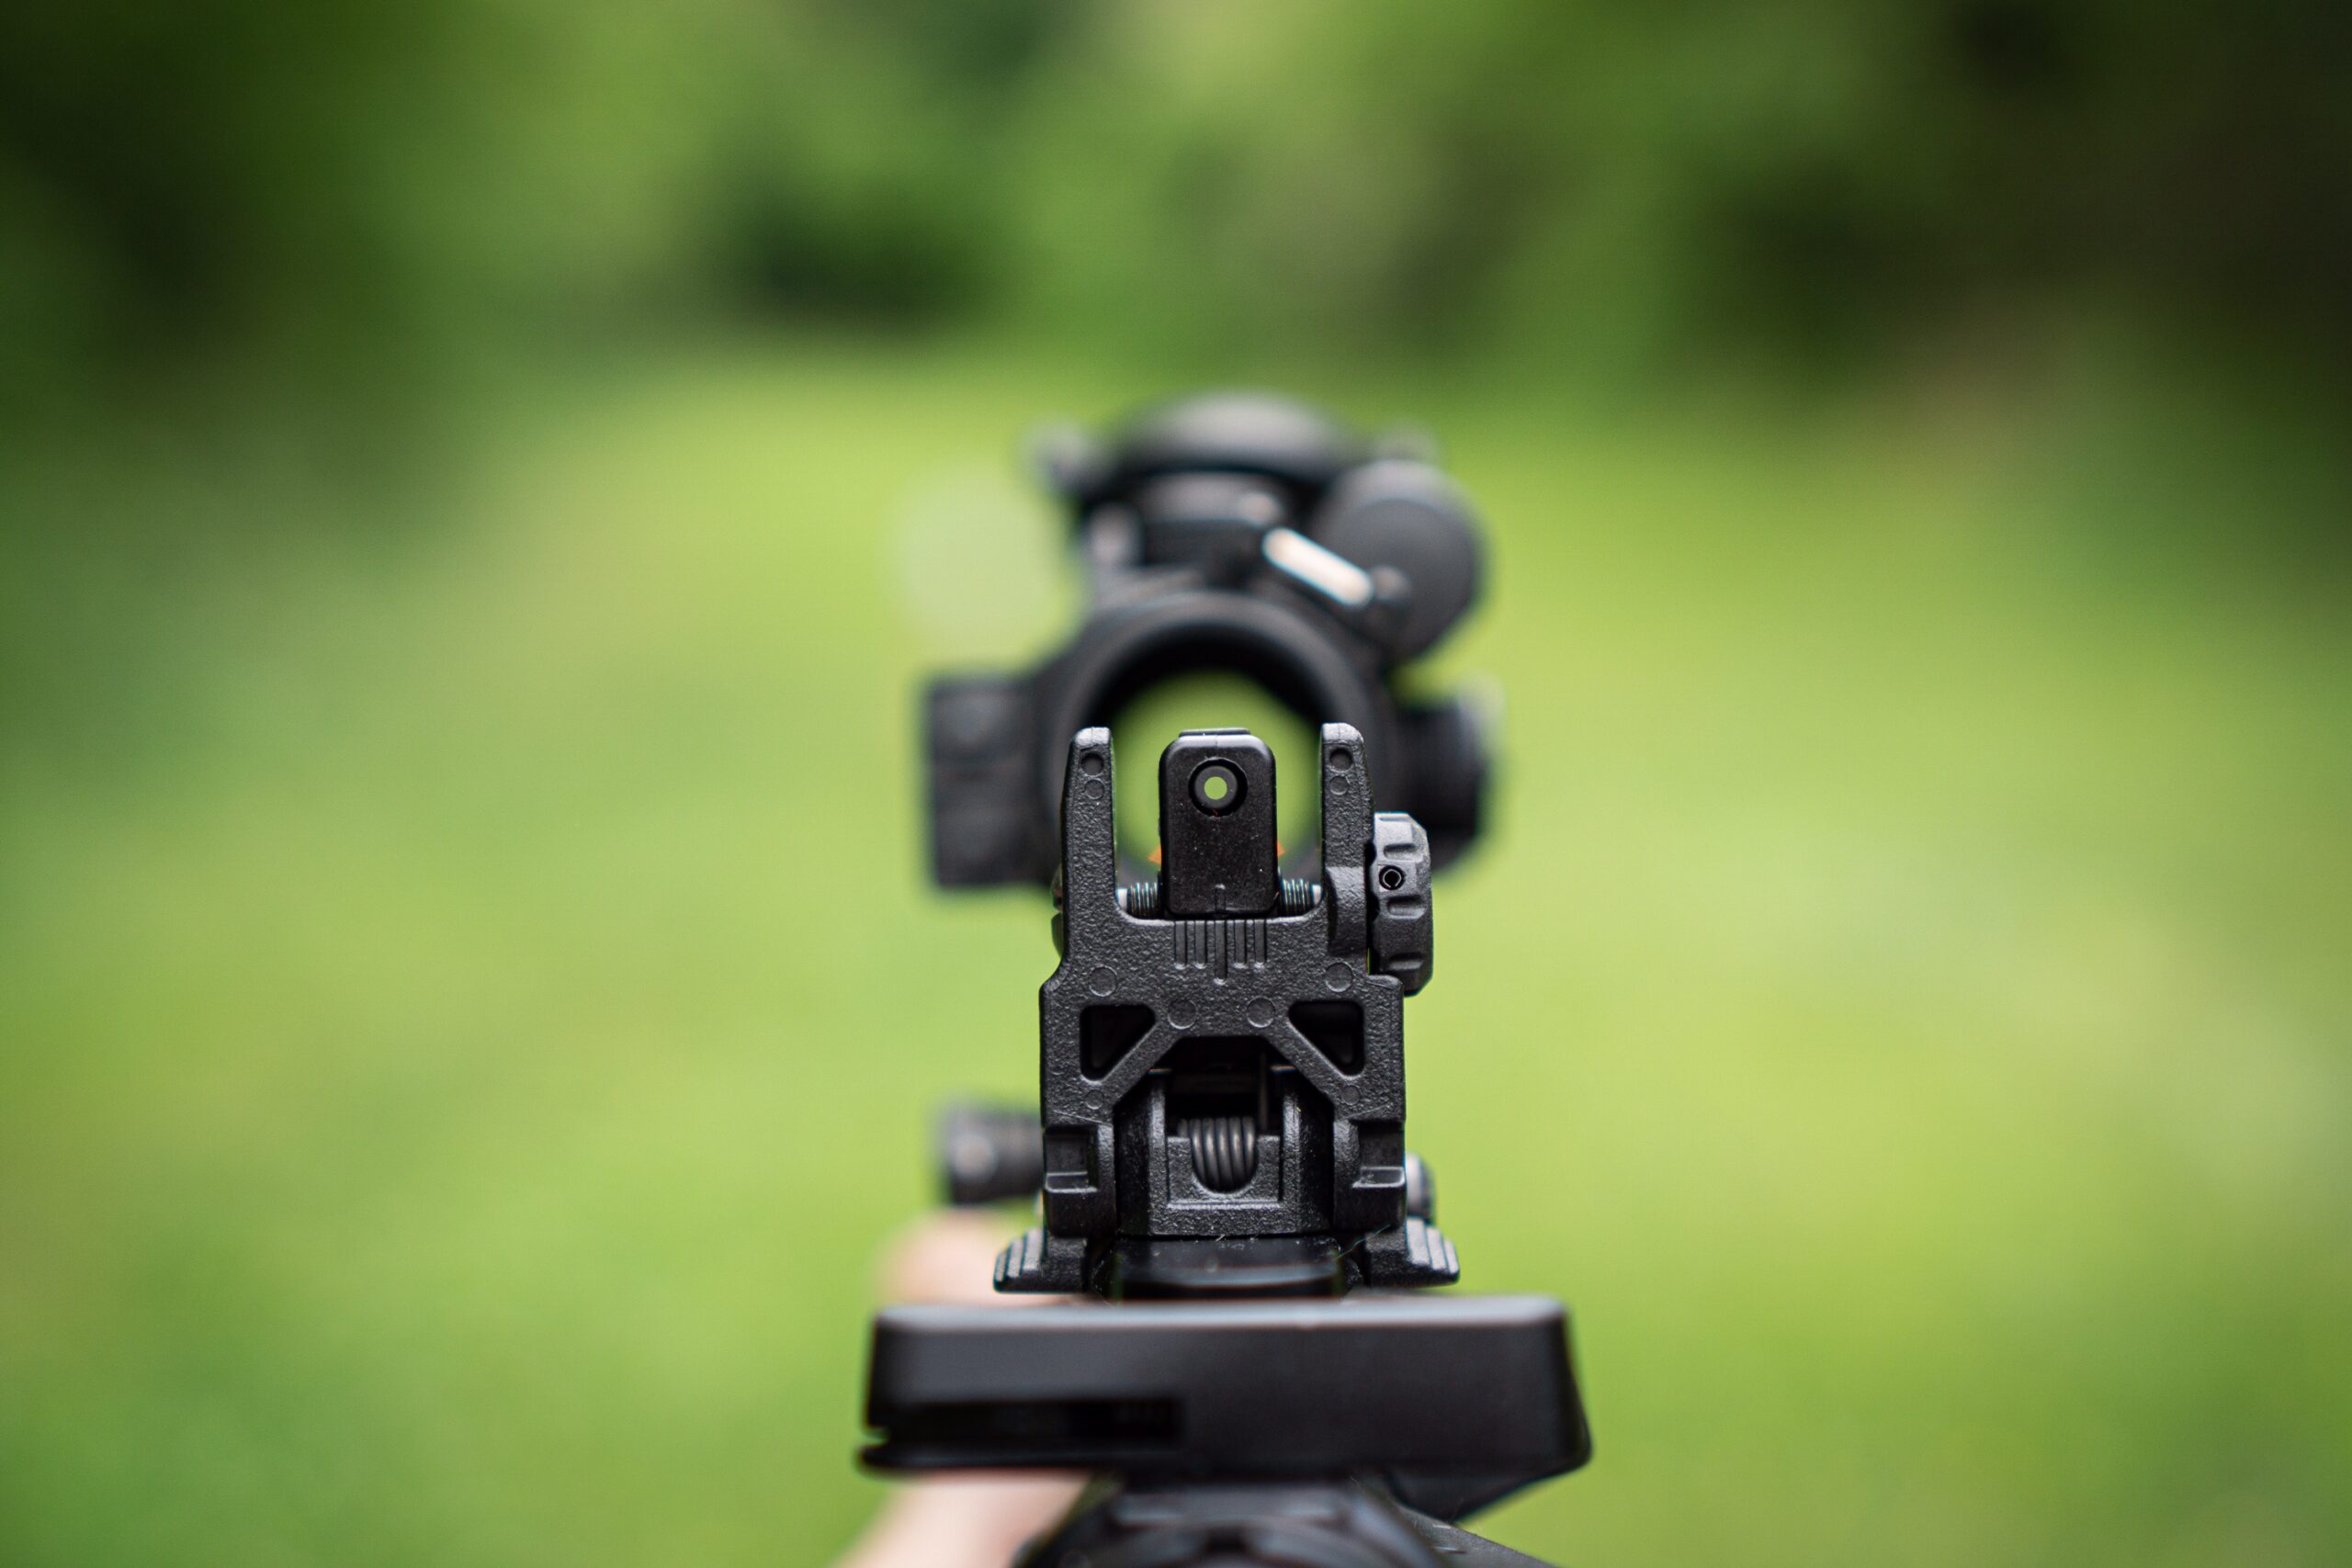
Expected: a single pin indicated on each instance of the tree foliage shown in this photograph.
(364, 182)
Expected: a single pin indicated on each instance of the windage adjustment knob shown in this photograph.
(1403, 934)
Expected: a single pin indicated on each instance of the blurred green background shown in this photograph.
(478, 480)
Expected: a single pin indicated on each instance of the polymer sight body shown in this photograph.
(1222, 1066)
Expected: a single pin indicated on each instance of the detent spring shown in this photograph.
(1225, 1150)
(1300, 894)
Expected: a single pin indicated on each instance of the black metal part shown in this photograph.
(1410, 517)
(1452, 1403)
(1274, 1524)
(990, 1154)
(1269, 437)
(1216, 825)
(1233, 533)
(1235, 1074)
(1403, 936)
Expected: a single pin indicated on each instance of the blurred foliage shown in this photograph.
(363, 185)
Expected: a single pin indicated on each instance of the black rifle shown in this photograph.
(1219, 1145)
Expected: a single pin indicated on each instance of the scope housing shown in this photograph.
(1234, 534)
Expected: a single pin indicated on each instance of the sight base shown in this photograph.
(1411, 1254)
(1446, 1404)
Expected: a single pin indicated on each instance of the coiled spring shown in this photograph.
(1300, 894)
(1225, 1150)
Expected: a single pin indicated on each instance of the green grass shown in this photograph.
(471, 1009)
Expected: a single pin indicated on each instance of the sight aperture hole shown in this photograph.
(1216, 787)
